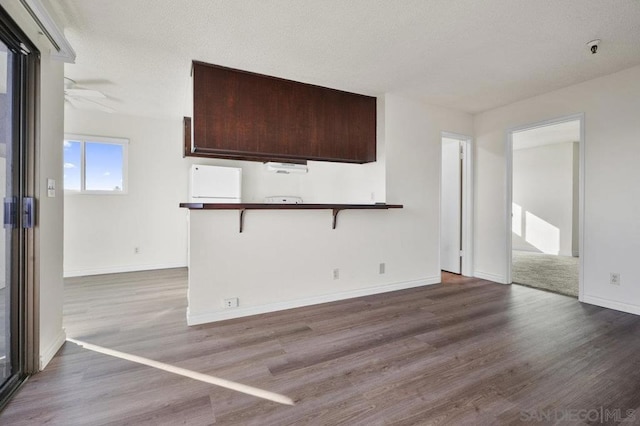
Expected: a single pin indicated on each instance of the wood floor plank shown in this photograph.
(466, 351)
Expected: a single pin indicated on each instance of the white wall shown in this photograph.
(414, 153)
(543, 192)
(285, 259)
(101, 231)
(48, 231)
(612, 149)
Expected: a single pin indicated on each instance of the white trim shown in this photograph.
(500, 279)
(467, 209)
(467, 201)
(611, 304)
(118, 269)
(77, 137)
(220, 315)
(51, 351)
(581, 190)
(45, 22)
(508, 200)
(581, 204)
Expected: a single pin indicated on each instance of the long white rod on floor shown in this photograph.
(239, 387)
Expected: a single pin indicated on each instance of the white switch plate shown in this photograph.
(51, 187)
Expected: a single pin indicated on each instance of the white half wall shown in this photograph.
(611, 233)
(543, 198)
(285, 259)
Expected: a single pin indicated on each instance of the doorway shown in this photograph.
(545, 187)
(456, 201)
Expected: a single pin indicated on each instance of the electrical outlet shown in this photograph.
(336, 274)
(136, 250)
(232, 302)
(614, 278)
(382, 268)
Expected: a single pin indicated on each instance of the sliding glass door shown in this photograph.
(6, 103)
(18, 63)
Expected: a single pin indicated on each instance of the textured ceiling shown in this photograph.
(467, 55)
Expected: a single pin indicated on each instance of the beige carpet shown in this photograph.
(548, 272)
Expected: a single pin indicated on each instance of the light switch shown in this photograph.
(51, 187)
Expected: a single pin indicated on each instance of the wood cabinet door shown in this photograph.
(250, 116)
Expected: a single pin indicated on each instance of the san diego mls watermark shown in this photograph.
(592, 415)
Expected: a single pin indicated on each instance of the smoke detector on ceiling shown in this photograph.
(593, 46)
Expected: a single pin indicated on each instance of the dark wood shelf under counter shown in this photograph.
(243, 207)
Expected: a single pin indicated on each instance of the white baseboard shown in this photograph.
(611, 304)
(50, 352)
(119, 269)
(490, 277)
(205, 317)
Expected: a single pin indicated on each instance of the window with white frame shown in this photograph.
(95, 164)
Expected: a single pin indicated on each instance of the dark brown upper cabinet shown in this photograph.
(242, 115)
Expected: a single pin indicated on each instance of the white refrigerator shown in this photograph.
(215, 184)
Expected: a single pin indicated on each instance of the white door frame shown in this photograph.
(467, 201)
(509, 192)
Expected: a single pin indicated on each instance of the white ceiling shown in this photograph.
(468, 55)
(568, 131)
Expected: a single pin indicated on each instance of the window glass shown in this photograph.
(103, 166)
(95, 164)
(72, 165)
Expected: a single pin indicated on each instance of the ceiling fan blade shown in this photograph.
(84, 103)
(74, 103)
(85, 93)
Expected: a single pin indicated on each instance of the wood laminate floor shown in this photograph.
(464, 352)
